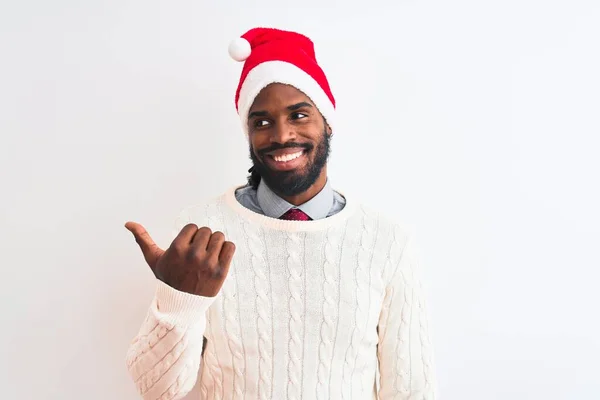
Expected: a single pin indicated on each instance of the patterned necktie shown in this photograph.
(294, 214)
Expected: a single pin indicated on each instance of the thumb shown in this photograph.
(149, 248)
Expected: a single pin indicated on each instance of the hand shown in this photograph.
(197, 261)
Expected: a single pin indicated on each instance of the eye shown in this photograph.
(299, 115)
(260, 123)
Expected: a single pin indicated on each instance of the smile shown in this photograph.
(286, 162)
(288, 157)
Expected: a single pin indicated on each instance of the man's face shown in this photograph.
(289, 140)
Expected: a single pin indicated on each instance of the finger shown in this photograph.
(186, 235)
(149, 248)
(226, 255)
(201, 238)
(214, 244)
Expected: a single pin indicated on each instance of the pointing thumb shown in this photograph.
(149, 248)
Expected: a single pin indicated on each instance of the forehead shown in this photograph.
(278, 95)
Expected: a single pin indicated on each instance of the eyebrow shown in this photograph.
(257, 114)
(293, 107)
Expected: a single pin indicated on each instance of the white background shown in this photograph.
(476, 122)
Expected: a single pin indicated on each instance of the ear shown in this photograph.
(327, 127)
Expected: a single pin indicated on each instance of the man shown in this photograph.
(298, 291)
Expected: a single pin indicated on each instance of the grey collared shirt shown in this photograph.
(264, 201)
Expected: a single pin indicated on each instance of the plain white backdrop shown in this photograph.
(477, 123)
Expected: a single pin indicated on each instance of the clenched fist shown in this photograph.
(197, 261)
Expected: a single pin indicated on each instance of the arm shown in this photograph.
(404, 350)
(164, 358)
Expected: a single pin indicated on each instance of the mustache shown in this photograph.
(277, 146)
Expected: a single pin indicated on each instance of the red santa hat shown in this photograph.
(277, 56)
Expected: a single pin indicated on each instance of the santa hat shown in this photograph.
(277, 56)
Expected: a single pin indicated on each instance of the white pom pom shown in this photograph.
(239, 49)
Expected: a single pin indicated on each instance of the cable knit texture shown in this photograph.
(309, 309)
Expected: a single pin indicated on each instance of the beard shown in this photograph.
(292, 183)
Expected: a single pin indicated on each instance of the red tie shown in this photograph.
(294, 214)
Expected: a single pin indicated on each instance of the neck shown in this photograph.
(310, 192)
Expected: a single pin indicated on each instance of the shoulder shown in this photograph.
(199, 212)
(399, 229)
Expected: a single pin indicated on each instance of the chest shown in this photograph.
(302, 280)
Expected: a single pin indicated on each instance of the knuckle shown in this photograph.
(210, 264)
(205, 230)
(217, 274)
(218, 235)
(178, 249)
(190, 225)
(194, 256)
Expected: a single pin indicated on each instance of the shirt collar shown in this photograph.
(274, 206)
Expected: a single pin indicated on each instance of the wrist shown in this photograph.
(178, 307)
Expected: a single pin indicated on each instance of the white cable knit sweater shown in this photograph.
(309, 309)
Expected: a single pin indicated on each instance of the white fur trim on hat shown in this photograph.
(282, 72)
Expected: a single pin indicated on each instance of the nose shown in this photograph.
(283, 132)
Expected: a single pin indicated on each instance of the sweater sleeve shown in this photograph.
(404, 349)
(164, 358)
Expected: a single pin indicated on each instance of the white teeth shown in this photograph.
(287, 157)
